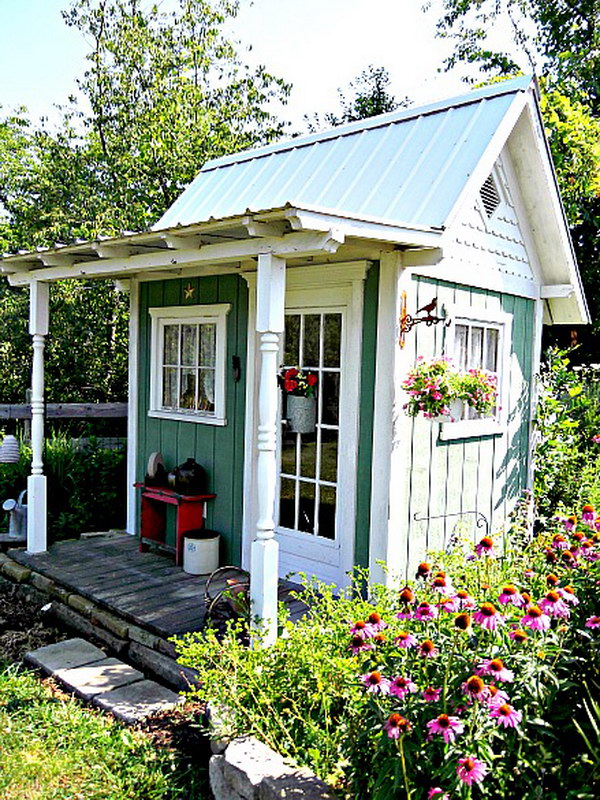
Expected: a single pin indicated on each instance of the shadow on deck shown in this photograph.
(146, 589)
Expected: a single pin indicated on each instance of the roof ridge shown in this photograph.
(512, 86)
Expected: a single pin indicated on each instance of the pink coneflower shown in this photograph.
(552, 580)
(535, 619)
(553, 605)
(400, 687)
(375, 622)
(449, 604)
(485, 547)
(570, 522)
(471, 770)
(431, 695)
(423, 570)
(360, 628)
(588, 513)
(579, 536)
(559, 542)
(495, 696)
(405, 640)
(425, 611)
(510, 595)
(464, 598)
(359, 645)
(474, 688)
(407, 595)
(448, 727)
(396, 726)
(427, 649)
(442, 584)
(436, 793)
(506, 715)
(592, 622)
(496, 669)
(488, 617)
(518, 636)
(462, 621)
(375, 683)
(596, 439)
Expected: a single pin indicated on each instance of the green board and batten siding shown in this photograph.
(483, 474)
(220, 449)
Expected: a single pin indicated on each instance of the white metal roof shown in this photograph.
(408, 167)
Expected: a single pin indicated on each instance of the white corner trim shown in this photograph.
(132, 403)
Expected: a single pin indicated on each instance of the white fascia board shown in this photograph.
(489, 158)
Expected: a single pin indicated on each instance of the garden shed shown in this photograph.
(316, 252)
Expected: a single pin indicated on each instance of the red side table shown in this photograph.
(190, 510)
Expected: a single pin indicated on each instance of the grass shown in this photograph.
(53, 748)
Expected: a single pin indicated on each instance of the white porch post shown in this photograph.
(36, 482)
(264, 558)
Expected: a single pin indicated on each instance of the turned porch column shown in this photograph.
(264, 558)
(36, 482)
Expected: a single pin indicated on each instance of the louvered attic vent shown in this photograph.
(489, 196)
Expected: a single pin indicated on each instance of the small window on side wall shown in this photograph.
(188, 354)
(480, 340)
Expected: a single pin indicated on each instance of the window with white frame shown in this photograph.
(188, 363)
(480, 339)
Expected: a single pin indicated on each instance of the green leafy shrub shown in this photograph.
(469, 681)
(86, 485)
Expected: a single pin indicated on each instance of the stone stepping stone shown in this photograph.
(64, 655)
(98, 677)
(108, 683)
(136, 701)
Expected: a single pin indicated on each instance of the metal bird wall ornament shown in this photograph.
(408, 322)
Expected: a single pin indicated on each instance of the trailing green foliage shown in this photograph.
(54, 749)
(474, 673)
(86, 486)
(567, 467)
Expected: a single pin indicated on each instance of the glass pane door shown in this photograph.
(309, 462)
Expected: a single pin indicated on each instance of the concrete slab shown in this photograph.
(98, 678)
(135, 702)
(64, 655)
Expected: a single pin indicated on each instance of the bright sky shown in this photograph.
(318, 45)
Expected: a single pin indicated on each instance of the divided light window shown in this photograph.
(188, 363)
(476, 346)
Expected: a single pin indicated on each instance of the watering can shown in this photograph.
(17, 516)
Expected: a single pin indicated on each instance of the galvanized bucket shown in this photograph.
(301, 413)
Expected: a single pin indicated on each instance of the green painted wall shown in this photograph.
(220, 450)
(366, 410)
(483, 474)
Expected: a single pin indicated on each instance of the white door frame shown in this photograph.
(338, 285)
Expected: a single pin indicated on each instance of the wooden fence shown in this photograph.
(67, 411)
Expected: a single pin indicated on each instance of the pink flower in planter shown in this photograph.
(592, 622)
(535, 619)
(510, 596)
(431, 695)
(448, 727)
(471, 770)
(506, 715)
(396, 726)
(488, 616)
(425, 611)
(496, 669)
(375, 683)
(405, 640)
(401, 687)
(553, 605)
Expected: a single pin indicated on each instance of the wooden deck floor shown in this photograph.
(144, 588)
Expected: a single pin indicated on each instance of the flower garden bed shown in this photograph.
(476, 679)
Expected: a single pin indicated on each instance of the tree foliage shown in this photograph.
(163, 92)
(560, 41)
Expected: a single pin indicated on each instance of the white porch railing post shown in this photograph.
(36, 482)
(264, 559)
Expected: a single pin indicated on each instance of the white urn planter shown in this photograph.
(456, 410)
(301, 413)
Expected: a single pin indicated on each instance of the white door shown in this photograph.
(317, 478)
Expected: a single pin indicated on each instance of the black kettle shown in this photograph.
(188, 478)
